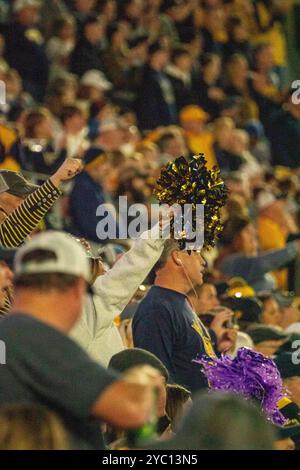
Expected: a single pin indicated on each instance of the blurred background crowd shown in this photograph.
(130, 85)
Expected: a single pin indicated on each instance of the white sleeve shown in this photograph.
(114, 289)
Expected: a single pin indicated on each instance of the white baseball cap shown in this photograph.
(21, 4)
(70, 256)
(96, 79)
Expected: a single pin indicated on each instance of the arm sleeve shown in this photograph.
(252, 267)
(22, 221)
(115, 288)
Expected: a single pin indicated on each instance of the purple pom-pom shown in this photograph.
(249, 374)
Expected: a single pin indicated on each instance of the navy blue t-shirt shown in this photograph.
(166, 325)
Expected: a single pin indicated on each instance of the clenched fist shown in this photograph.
(70, 168)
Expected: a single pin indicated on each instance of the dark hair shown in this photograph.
(33, 118)
(70, 111)
(232, 23)
(164, 140)
(44, 282)
(222, 421)
(179, 52)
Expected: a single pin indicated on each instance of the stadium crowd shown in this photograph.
(99, 96)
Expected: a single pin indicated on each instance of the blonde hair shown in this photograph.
(30, 427)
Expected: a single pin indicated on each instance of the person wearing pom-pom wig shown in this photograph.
(165, 322)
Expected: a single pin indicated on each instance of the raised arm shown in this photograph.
(114, 289)
(18, 225)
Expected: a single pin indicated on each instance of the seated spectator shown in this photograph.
(87, 54)
(25, 48)
(199, 138)
(204, 298)
(156, 104)
(237, 84)
(171, 144)
(72, 136)
(290, 313)
(115, 56)
(29, 427)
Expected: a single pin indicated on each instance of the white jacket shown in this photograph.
(95, 332)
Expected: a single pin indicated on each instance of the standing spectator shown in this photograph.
(87, 54)
(165, 323)
(156, 104)
(25, 49)
(52, 272)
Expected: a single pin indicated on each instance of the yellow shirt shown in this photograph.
(272, 237)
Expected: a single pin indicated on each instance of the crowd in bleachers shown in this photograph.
(99, 96)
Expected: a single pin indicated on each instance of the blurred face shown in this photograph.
(265, 59)
(207, 299)
(246, 242)
(285, 444)
(134, 9)
(113, 139)
(28, 16)
(193, 266)
(195, 126)
(184, 63)
(76, 123)
(271, 313)
(239, 68)
(94, 32)
(214, 68)
(68, 30)
(293, 386)
(85, 6)
(44, 130)
(290, 315)
(176, 146)
(268, 348)
(160, 59)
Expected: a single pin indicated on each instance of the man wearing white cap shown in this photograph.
(45, 367)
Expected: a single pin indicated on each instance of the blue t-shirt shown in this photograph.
(166, 325)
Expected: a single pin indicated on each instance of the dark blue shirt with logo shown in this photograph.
(166, 325)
